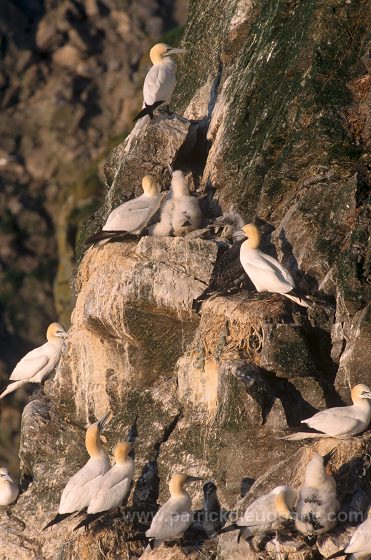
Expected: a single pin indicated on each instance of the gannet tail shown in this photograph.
(57, 519)
(337, 554)
(13, 387)
(299, 299)
(105, 235)
(304, 435)
(230, 528)
(148, 110)
(89, 519)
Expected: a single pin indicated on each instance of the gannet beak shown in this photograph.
(6, 477)
(175, 51)
(193, 479)
(102, 421)
(366, 394)
(61, 334)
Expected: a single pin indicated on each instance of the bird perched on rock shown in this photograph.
(113, 487)
(340, 422)
(8, 489)
(317, 504)
(85, 484)
(40, 362)
(132, 216)
(160, 81)
(174, 517)
(212, 518)
(359, 547)
(266, 514)
(265, 272)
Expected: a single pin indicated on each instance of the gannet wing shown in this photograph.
(78, 493)
(132, 215)
(360, 541)
(268, 265)
(260, 512)
(168, 522)
(159, 84)
(285, 273)
(111, 497)
(334, 424)
(29, 365)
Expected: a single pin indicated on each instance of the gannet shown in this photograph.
(266, 514)
(174, 517)
(81, 488)
(359, 547)
(212, 518)
(160, 81)
(164, 227)
(265, 272)
(317, 504)
(340, 422)
(132, 216)
(113, 486)
(8, 489)
(40, 362)
(187, 214)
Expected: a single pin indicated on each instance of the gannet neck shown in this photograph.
(179, 185)
(122, 452)
(176, 486)
(315, 472)
(93, 443)
(284, 500)
(253, 236)
(150, 186)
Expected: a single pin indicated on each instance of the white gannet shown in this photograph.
(160, 81)
(174, 517)
(265, 272)
(360, 543)
(317, 504)
(84, 484)
(187, 214)
(8, 489)
(340, 422)
(40, 362)
(132, 216)
(266, 514)
(113, 486)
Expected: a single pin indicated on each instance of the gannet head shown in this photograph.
(209, 488)
(177, 482)
(150, 186)
(179, 185)
(360, 391)
(55, 331)
(122, 451)
(92, 438)
(253, 235)
(159, 52)
(285, 501)
(4, 475)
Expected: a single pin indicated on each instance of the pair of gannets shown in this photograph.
(180, 212)
(97, 486)
(40, 362)
(8, 489)
(174, 517)
(132, 216)
(340, 422)
(160, 81)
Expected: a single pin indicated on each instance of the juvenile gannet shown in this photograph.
(266, 514)
(174, 517)
(40, 362)
(317, 504)
(265, 272)
(132, 216)
(8, 489)
(113, 486)
(160, 81)
(81, 488)
(164, 227)
(212, 518)
(340, 422)
(187, 214)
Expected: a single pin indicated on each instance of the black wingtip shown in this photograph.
(148, 110)
(57, 519)
(88, 519)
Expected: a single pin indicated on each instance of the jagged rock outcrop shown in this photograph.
(278, 134)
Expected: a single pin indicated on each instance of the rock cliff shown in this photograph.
(274, 125)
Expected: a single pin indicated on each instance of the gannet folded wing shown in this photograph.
(360, 542)
(131, 216)
(334, 424)
(264, 273)
(170, 521)
(159, 83)
(80, 489)
(30, 365)
(111, 494)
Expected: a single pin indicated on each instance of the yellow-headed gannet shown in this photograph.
(8, 489)
(187, 214)
(174, 517)
(340, 422)
(160, 81)
(132, 216)
(265, 272)
(81, 488)
(113, 487)
(317, 505)
(40, 362)
(266, 514)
